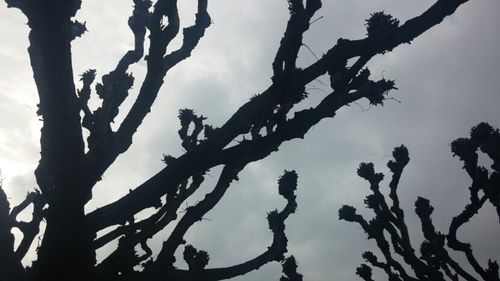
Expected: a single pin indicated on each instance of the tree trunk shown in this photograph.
(65, 252)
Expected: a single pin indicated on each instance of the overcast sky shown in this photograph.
(448, 81)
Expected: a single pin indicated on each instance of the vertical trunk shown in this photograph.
(65, 252)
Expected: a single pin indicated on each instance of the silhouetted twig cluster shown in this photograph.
(390, 232)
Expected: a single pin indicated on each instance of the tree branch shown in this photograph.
(435, 263)
(9, 261)
(157, 66)
(29, 229)
(300, 17)
(196, 213)
(115, 85)
(287, 186)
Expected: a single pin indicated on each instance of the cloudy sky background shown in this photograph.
(448, 81)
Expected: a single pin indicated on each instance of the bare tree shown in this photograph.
(70, 165)
(389, 230)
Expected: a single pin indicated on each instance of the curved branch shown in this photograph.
(29, 229)
(192, 36)
(196, 213)
(148, 227)
(275, 252)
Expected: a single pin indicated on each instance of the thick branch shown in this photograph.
(146, 228)
(291, 42)
(196, 213)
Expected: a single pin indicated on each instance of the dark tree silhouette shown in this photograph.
(70, 165)
(389, 230)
